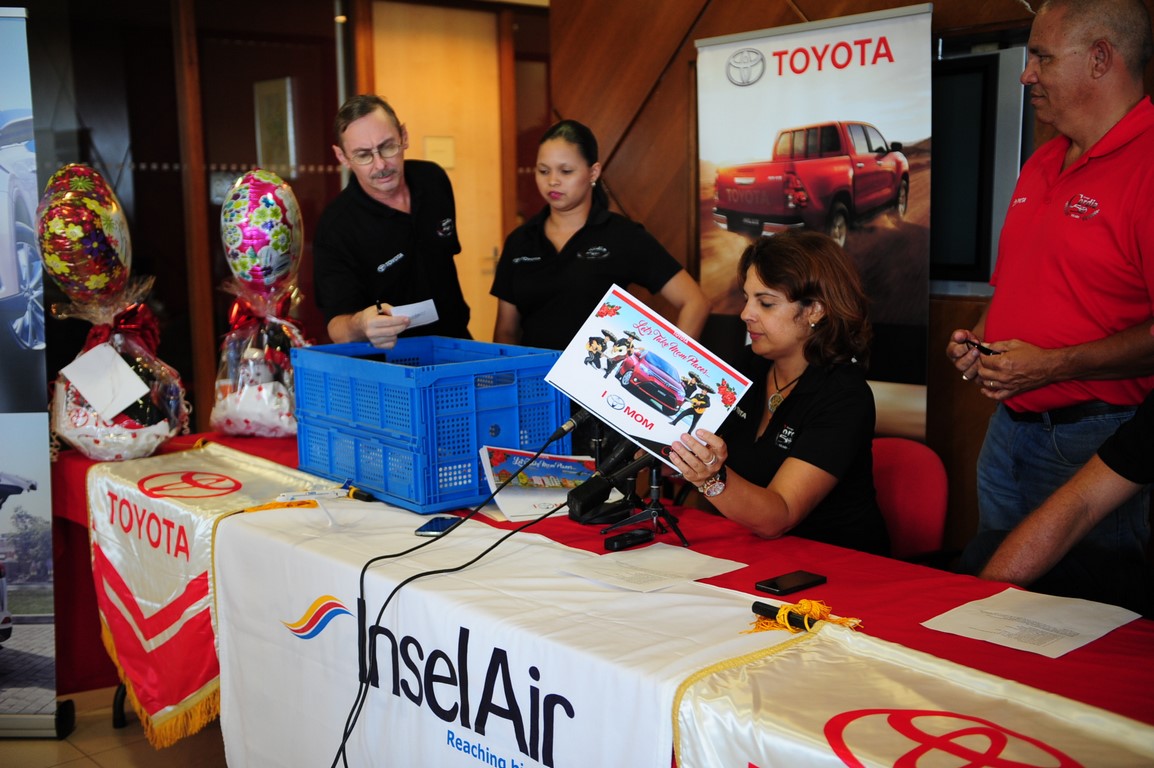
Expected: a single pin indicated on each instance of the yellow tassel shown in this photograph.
(810, 611)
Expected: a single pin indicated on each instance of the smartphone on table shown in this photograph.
(438, 526)
(790, 582)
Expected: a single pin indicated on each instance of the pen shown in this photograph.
(357, 493)
(380, 309)
(981, 347)
(770, 612)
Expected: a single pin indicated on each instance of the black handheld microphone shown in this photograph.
(592, 493)
(585, 500)
(571, 424)
(630, 469)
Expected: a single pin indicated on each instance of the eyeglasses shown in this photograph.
(386, 150)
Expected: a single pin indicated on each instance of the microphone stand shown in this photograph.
(654, 510)
(614, 511)
(598, 442)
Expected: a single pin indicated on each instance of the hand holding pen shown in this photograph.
(380, 327)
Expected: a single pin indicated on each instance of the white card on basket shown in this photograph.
(105, 380)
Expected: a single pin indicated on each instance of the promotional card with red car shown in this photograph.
(643, 376)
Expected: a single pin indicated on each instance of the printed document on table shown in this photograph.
(643, 376)
(654, 567)
(1028, 621)
(534, 487)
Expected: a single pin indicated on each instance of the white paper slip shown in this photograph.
(421, 313)
(1029, 621)
(105, 380)
(654, 567)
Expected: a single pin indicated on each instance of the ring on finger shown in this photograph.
(712, 461)
(965, 377)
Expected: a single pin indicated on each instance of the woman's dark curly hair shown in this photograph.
(810, 267)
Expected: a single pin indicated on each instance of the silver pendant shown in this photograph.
(775, 401)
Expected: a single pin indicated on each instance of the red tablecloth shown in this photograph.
(82, 664)
(893, 598)
(890, 596)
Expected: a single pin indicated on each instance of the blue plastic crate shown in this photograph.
(407, 424)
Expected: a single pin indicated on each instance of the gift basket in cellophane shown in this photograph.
(86, 251)
(260, 226)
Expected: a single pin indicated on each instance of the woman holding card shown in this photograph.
(556, 267)
(801, 460)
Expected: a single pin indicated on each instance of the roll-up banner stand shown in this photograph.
(826, 126)
(28, 703)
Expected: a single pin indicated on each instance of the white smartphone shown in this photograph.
(437, 526)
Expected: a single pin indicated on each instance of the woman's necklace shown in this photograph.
(776, 399)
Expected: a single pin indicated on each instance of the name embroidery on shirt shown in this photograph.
(446, 228)
(520, 259)
(1017, 201)
(785, 437)
(390, 262)
(1082, 207)
(596, 253)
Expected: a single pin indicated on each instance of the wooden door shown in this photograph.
(438, 68)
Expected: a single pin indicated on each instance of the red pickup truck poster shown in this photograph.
(825, 126)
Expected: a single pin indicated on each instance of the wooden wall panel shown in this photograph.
(613, 54)
(626, 68)
(956, 415)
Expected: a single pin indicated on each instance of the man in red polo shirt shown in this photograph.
(1074, 281)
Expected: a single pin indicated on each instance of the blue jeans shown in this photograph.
(1022, 463)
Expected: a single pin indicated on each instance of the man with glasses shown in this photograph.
(1067, 351)
(389, 238)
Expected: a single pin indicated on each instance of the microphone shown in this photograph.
(580, 417)
(586, 499)
(630, 469)
(594, 491)
(609, 464)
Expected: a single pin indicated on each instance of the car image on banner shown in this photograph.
(22, 377)
(651, 379)
(21, 273)
(5, 614)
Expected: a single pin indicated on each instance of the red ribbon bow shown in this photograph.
(242, 312)
(136, 320)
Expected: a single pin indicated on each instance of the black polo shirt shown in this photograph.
(1129, 450)
(556, 292)
(828, 421)
(364, 251)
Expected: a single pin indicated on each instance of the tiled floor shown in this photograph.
(94, 743)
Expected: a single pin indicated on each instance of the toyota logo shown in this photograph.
(616, 402)
(187, 484)
(745, 67)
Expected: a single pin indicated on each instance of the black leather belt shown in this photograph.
(1070, 414)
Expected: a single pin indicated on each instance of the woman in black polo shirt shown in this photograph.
(556, 267)
(801, 460)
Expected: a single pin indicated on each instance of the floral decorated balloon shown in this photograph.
(260, 225)
(81, 179)
(84, 240)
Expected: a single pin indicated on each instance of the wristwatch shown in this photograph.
(714, 485)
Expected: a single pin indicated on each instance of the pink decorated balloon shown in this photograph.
(260, 226)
